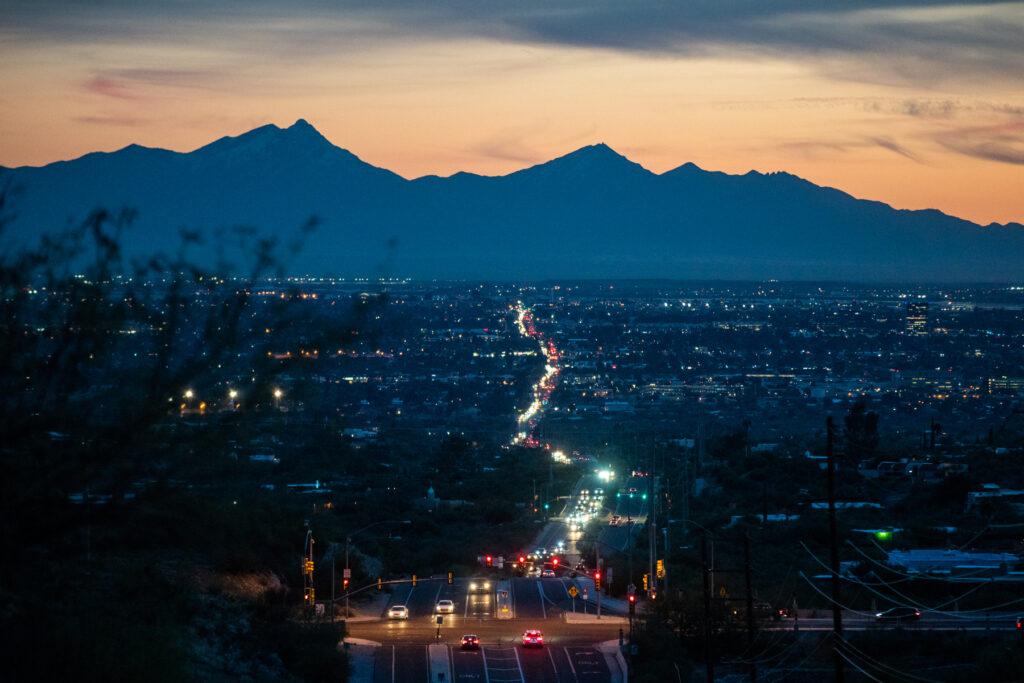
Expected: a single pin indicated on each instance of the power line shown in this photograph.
(913, 603)
(882, 666)
(851, 663)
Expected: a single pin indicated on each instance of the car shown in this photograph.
(398, 612)
(479, 585)
(470, 642)
(547, 574)
(533, 638)
(898, 614)
(444, 607)
(1020, 624)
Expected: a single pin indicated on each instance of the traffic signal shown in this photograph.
(632, 604)
(522, 559)
(554, 562)
(380, 583)
(645, 583)
(344, 584)
(597, 580)
(414, 580)
(451, 577)
(489, 560)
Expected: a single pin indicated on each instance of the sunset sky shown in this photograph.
(916, 103)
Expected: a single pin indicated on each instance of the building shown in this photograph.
(917, 317)
(935, 561)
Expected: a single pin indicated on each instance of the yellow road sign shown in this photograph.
(573, 591)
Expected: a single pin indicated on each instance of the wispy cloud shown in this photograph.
(110, 87)
(813, 147)
(1004, 144)
(120, 121)
(884, 41)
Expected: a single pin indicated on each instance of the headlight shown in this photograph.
(472, 586)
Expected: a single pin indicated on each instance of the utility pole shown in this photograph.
(652, 526)
(348, 542)
(833, 540)
(709, 656)
(748, 578)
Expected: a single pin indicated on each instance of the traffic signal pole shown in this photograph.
(833, 542)
(709, 657)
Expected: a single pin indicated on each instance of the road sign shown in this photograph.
(586, 594)
(440, 619)
(346, 573)
(573, 592)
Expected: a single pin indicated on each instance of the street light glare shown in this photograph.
(189, 393)
(278, 393)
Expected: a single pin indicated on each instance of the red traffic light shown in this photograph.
(522, 559)
(632, 598)
(344, 584)
(554, 561)
(489, 560)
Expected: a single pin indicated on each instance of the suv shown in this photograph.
(479, 585)
(398, 612)
(444, 607)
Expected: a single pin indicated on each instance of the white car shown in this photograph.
(548, 574)
(398, 612)
(444, 607)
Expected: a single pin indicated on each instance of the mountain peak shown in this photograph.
(301, 135)
(590, 161)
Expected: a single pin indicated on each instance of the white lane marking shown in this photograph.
(392, 664)
(568, 658)
(540, 591)
(426, 652)
(558, 679)
(512, 595)
(515, 651)
(465, 614)
(487, 677)
(438, 596)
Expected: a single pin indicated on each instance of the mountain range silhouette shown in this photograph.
(592, 213)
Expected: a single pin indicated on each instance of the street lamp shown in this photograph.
(189, 394)
(348, 543)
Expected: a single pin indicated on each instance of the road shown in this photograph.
(569, 654)
(998, 621)
(632, 511)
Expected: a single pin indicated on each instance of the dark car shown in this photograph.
(470, 642)
(898, 614)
